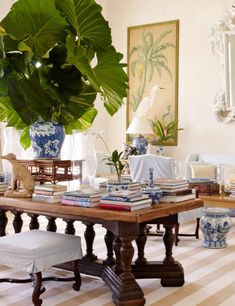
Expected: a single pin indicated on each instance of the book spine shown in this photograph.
(75, 203)
(115, 207)
(51, 189)
(177, 193)
(46, 197)
(82, 195)
(44, 200)
(122, 199)
(49, 193)
(77, 199)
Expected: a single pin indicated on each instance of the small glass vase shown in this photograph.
(84, 149)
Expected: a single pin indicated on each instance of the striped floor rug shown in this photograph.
(209, 276)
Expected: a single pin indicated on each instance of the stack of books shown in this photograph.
(3, 187)
(82, 198)
(175, 190)
(49, 193)
(126, 200)
(134, 186)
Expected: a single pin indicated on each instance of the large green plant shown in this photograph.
(55, 56)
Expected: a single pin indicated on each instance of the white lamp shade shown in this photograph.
(140, 125)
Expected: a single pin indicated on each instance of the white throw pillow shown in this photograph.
(203, 171)
(188, 168)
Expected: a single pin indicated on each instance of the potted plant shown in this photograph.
(115, 160)
(165, 132)
(55, 57)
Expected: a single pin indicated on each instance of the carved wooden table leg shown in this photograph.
(77, 276)
(168, 240)
(70, 229)
(140, 242)
(38, 289)
(109, 238)
(51, 226)
(117, 246)
(130, 292)
(34, 224)
(174, 272)
(3, 223)
(89, 236)
(17, 222)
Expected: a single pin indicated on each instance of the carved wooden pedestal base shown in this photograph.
(119, 272)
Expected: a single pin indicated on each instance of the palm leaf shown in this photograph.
(151, 71)
(160, 38)
(133, 50)
(165, 46)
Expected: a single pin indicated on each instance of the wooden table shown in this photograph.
(218, 201)
(118, 273)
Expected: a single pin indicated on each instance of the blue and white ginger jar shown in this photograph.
(47, 139)
(215, 225)
(141, 144)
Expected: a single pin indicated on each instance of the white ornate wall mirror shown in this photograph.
(222, 38)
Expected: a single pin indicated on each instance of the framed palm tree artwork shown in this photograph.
(153, 52)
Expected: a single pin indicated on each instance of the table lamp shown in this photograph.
(140, 126)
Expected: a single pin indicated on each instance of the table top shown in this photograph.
(218, 201)
(72, 212)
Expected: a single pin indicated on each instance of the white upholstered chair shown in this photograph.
(139, 167)
(163, 168)
(36, 250)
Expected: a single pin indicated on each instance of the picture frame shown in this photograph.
(153, 64)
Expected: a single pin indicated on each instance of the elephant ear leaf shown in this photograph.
(112, 78)
(87, 21)
(43, 31)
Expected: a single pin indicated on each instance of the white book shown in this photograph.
(46, 199)
(176, 199)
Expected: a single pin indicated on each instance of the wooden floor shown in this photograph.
(209, 275)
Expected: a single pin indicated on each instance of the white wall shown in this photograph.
(198, 75)
(4, 7)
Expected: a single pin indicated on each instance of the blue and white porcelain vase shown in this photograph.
(141, 144)
(47, 139)
(215, 225)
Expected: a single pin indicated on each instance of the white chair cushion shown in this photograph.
(36, 250)
(203, 171)
(190, 215)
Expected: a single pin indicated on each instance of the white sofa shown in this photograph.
(225, 161)
(216, 159)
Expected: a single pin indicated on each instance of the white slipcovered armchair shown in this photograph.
(163, 168)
